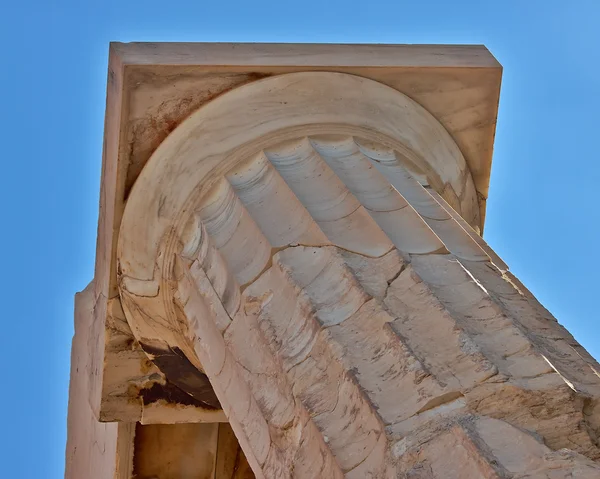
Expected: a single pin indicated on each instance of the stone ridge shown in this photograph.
(352, 327)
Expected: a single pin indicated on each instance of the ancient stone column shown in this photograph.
(289, 249)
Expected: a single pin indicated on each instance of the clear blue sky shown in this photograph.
(542, 214)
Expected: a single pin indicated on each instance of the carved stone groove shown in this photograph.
(299, 240)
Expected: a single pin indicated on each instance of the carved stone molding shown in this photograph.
(383, 128)
(300, 242)
(150, 92)
(289, 241)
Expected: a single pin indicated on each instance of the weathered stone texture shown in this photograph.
(300, 252)
(375, 335)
